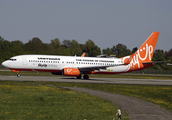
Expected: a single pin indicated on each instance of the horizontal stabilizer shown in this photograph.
(155, 62)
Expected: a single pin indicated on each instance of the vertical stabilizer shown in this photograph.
(145, 52)
(143, 55)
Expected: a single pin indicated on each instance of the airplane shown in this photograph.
(77, 66)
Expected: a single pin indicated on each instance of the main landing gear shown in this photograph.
(84, 77)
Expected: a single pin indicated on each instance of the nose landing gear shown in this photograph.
(18, 75)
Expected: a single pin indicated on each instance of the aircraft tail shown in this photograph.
(142, 58)
(145, 52)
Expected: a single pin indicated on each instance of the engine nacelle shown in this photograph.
(70, 72)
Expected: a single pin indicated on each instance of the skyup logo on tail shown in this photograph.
(142, 58)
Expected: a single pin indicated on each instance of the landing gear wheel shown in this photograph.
(79, 77)
(86, 77)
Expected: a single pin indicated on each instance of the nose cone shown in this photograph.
(5, 64)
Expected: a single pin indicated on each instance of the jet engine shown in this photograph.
(71, 72)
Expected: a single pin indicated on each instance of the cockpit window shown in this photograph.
(12, 59)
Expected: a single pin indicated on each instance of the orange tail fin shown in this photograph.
(145, 52)
(143, 55)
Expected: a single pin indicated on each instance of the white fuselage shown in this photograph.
(53, 63)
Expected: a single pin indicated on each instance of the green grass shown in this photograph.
(160, 95)
(22, 100)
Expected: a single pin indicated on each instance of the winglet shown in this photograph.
(83, 55)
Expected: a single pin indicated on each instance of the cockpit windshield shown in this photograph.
(12, 59)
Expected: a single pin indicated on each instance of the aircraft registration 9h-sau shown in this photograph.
(78, 66)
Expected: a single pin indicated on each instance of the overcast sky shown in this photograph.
(106, 22)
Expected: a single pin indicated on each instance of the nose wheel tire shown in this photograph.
(18, 75)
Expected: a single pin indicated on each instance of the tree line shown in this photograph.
(71, 48)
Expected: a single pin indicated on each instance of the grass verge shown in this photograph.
(22, 100)
(160, 95)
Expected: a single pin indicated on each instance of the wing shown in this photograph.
(92, 68)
